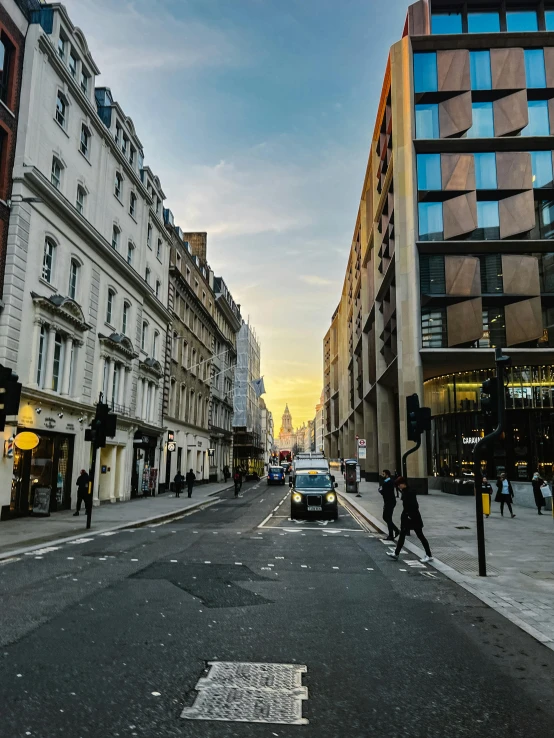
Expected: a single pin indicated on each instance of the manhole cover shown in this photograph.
(250, 693)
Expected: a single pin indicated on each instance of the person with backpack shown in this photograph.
(237, 479)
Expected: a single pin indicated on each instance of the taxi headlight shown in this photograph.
(330, 497)
(296, 497)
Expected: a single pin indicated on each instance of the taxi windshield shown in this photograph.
(313, 481)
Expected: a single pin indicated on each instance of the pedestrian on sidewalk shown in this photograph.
(395, 476)
(226, 473)
(178, 483)
(410, 520)
(504, 494)
(237, 479)
(342, 467)
(538, 485)
(389, 503)
(82, 490)
(190, 479)
(486, 489)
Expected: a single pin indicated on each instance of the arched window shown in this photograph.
(80, 201)
(110, 306)
(130, 252)
(158, 288)
(84, 146)
(61, 109)
(115, 237)
(6, 56)
(48, 258)
(132, 204)
(125, 319)
(175, 347)
(73, 278)
(149, 236)
(147, 275)
(143, 335)
(118, 188)
(56, 174)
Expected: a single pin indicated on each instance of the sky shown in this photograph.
(257, 117)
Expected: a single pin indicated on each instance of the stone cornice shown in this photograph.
(58, 310)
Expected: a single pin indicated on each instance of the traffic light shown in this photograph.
(10, 395)
(418, 419)
(103, 426)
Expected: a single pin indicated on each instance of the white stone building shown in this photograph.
(86, 279)
(320, 423)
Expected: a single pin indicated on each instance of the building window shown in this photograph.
(143, 335)
(132, 204)
(446, 23)
(427, 121)
(541, 165)
(61, 109)
(73, 65)
(546, 218)
(488, 220)
(485, 171)
(124, 144)
(483, 120)
(118, 134)
(149, 236)
(84, 82)
(185, 355)
(80, 201)
(48, 260)
(430, 221)
(429, 172)
(483, 22)
(539, 124)
(433, 328)
(132, 154)
(109, 306)
(521, 20)
(6, 55)
(115, 237)
(480, 70)
(491, 274)
(158, 288)
(159, 249)
(147, 275)
(155, 342)
(549, 20)
(175, 347)
(118, 188)
(425, 72)
(193, 362)
(432, 274)
(73, 279)
(85, 141)
(57, 367)
(130, 252)
(125, 319)
(534, 68)
(61, 48)
(43, 338)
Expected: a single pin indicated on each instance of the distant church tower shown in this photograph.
(286, 425)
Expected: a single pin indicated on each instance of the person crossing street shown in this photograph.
(237, 479)
(82, 491)
(389, 503)
(410, 520)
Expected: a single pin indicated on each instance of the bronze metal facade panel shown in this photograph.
(551, 115)
(453, 70)
(462, 275)
(459, 215)
(455, 115)
(464, 321)
(458, 172)
(418, 19)
(517, 214)
(523, 321)
(508, 69)
(510, 114)
(549, 65)
(513, 170)
(520, 274)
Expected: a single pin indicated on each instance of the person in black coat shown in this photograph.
(538, 484)
(389, 503)
(82, 490)
(190, 479)
(486, 489)
(410, 520)
(504, 494)
(178, 480)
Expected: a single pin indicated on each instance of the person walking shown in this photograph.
(342, 467)
(504, 494)
(226, 473)
(389, 503)
(178, 483)
(486, 489)
(237, 479)
(538, 485)
(410, 520)
(82, 491)
(190, 479)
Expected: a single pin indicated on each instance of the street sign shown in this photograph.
(171, 446)
(362, 452)
(362, 443)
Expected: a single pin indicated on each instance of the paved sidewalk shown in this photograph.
(23, 533)
(520, 553)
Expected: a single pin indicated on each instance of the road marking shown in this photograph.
(264, 521)
(82, 540)
(238, 563)
(42, 551)
(335, 567)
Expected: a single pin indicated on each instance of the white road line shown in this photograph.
(264, 521)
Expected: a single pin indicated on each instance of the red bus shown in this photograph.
(285, 455)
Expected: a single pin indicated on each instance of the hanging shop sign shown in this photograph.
(26, 441)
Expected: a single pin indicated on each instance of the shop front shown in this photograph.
(42, 476)
(458, 424)
(144, 476)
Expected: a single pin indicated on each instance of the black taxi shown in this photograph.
(313, 494)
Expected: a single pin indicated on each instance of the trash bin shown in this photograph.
(351, 475)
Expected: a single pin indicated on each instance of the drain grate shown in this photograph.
(463, 562)
(250, 693)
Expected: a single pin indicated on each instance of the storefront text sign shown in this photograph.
(26, 440)
(471, 440)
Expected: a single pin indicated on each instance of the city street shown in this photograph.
(109, 635)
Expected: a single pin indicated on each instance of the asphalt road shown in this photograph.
(109, 636)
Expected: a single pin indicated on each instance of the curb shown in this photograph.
(131, 524)
(453, 574)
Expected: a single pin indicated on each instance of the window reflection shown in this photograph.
(425, 72)
(480, 70)
(483, 120)
(483, 22)
(427, 121)
(521, 20)
(539, 124)
(430, 221)
(534, 68)
(446, 23)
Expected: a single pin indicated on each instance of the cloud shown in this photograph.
(315, 280)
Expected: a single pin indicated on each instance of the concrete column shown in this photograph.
(145, 390)
(122, 384)
(138, 403)
(67, 365)
(109, 388)
(154, 405)
(49, 372)
(34, 353)
(100, 383)
(370, 434)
